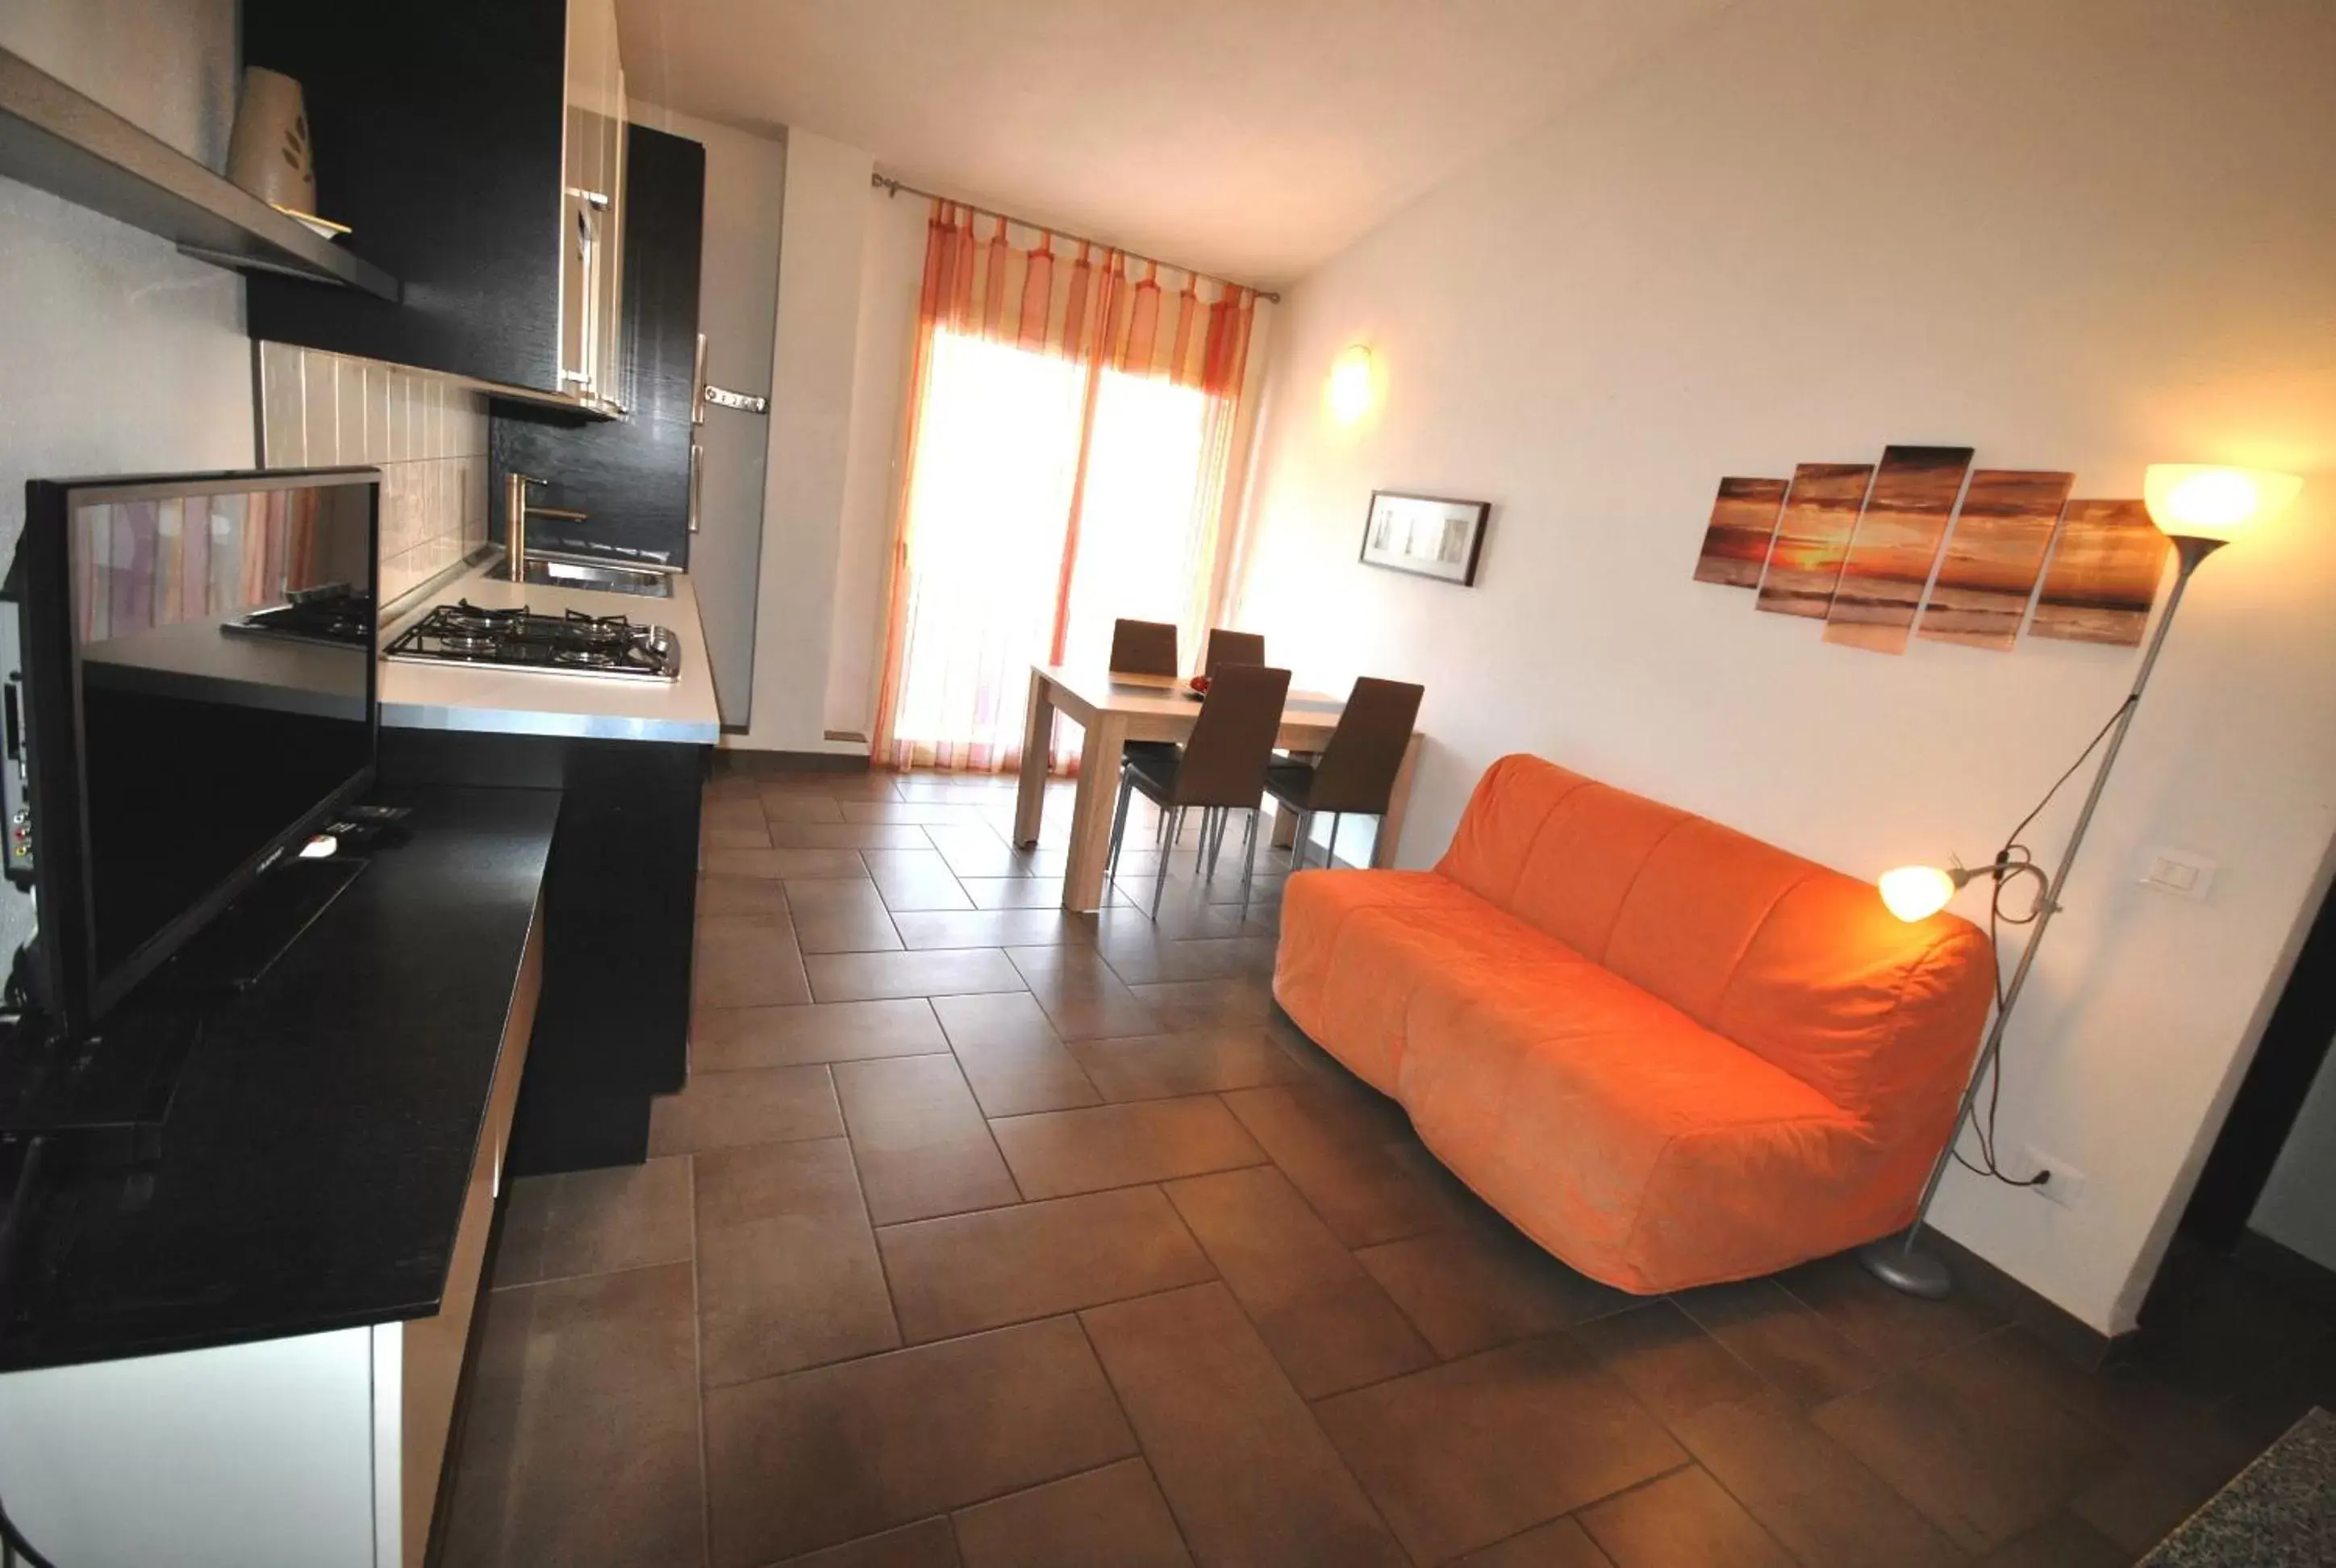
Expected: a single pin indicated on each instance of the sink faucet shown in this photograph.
(516, 511)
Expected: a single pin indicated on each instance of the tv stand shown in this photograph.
(242, 944)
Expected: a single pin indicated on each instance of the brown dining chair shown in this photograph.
(1226, 647)
(1355, 775)
(1143, 648)
(1221, 770)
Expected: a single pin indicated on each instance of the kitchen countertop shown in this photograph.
(459, 696)
(320, 1143)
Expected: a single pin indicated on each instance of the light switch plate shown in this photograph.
(2184, 874)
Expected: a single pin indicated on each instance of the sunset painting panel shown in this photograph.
(1896, 541)
(2104, 574)
(1994, 557)
(1743, 522)
(1813, 537)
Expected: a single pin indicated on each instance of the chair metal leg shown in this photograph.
(1249, 863)
(1214, 840)
(1298, 844)
(1160, 877)
(1331, 851)
(1119, 824)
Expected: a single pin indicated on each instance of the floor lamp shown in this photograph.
(2200, 508)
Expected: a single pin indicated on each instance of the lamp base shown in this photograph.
(1895, 1263)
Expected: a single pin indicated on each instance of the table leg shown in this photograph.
(1399, 799)
(1038, 739)
(1106, 736)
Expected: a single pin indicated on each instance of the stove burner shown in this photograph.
(608, 646)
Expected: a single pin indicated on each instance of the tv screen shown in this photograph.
(221, 691)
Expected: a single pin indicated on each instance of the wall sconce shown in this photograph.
(1354, 385)
(2200, 508)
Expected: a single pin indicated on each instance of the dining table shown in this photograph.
(1113, 709)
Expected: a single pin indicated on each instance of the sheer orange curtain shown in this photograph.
(1071, 412)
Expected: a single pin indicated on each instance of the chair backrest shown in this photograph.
(1226, 647)
(1225, 757)
(1356, 773)
(1143, 648)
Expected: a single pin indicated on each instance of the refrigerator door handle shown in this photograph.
(697, 384)
(697, 469)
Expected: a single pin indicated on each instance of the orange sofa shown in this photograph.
(1670, 1054)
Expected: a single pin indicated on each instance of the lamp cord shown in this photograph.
(2016, 859)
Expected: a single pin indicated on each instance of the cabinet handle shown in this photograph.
(696, 463)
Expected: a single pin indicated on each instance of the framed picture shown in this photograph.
(1425, 535)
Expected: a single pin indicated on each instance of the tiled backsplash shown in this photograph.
(427, 435)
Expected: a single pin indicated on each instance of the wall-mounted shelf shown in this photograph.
(73, 147)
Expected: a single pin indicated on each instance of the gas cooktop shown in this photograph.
(606, 647)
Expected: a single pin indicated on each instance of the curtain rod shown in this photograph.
(894, 186)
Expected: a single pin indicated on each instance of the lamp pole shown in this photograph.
(1894, 1260)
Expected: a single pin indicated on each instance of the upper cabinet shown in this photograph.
(476, 151)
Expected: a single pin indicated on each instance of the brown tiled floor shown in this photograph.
(986, 1236)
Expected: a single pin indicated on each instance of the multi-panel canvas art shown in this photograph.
(1743, 522)
(1426, 535)
(2104, 574)
(1925, 546)
(1994, 557)
(1813, 537)
(1896, 542)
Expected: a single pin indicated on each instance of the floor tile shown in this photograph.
(1246, 1469)
(1013, 892)
(1163, 1066)
(2145, 1414)
(1657, 1353)
(1970, 1441)
(841, 916)
(793, 808)
(1338, 1161)
(1890, 1325)
(1055, 1152)
(1183, 1004)
(2061, 1541)
(580, 1445)
(1559, 1543)
(787, 1270)
(795, 836)
(2138, 1502)
(1787, 1343)
(980, 1271)
(859, 976)
(927, 1544)
(1011, 1055)
(757, 1105)
(1469, 1288)
(1467, 1454)
(1114, 1516)
(920, 813)
(1682, 1517)
(594, 1222)
(919, 1140)
(993, 927)
(762, 898)
(741, 962)
(857, 784)
(1198, 958)
(1325, 1320)
(1807, 1490)
(715, 841)
(823, 1456)
(727, 812)
(914, 880)
(732, 1038)
(784, 862)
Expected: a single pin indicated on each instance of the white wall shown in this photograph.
(737, 302)
(116, 352)
(2298, 1207)
(2088, 234)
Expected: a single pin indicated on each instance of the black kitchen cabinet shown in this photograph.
(448, 136)
(631, 479)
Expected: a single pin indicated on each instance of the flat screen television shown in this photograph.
(195, 697)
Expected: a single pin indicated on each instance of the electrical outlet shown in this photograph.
(2067, 1187)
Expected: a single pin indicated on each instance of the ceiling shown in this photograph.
(1250, 138)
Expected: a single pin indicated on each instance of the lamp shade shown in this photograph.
(2199, 500)
(1916, 892)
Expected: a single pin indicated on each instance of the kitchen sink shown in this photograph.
(599, 576)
